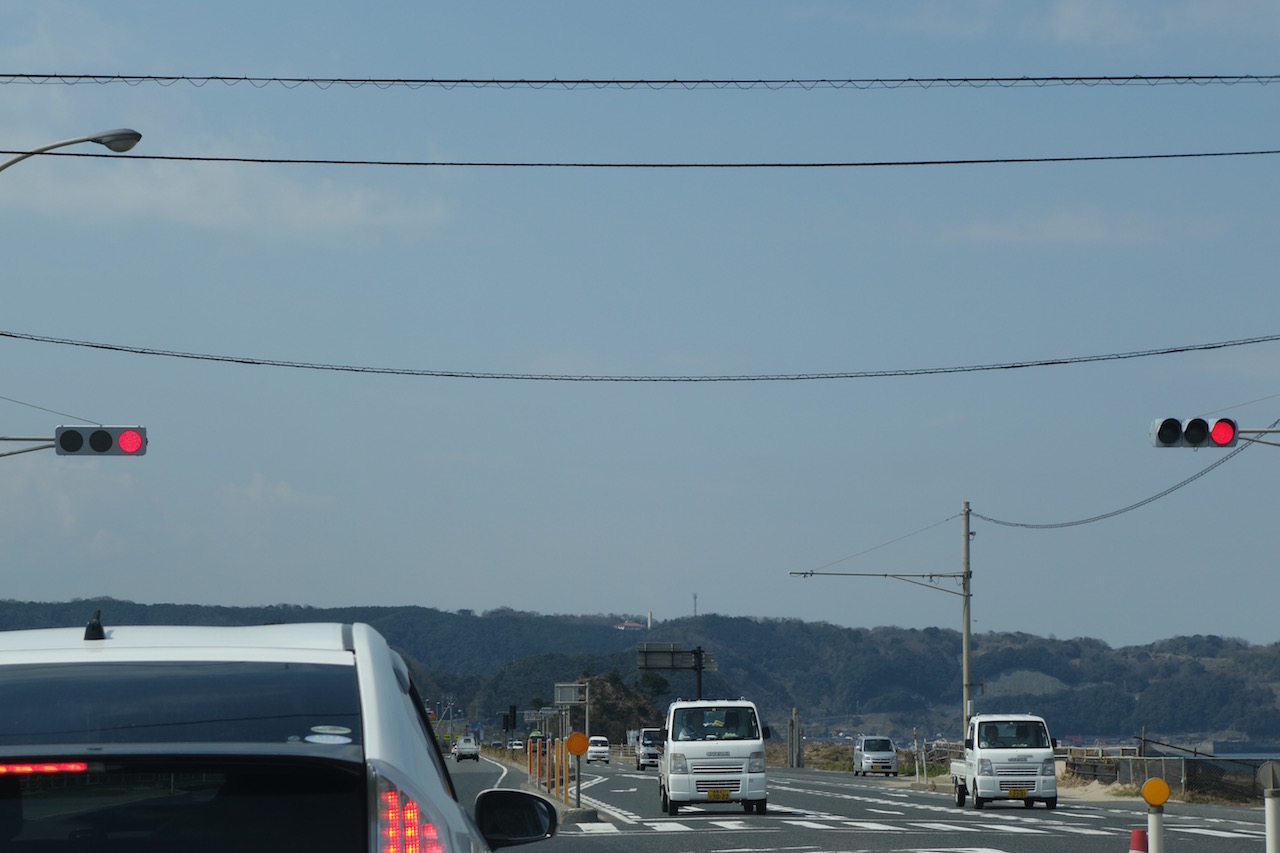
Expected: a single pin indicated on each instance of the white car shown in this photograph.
(265, 738)
(597, 749)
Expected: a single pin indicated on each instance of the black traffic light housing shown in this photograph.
(1194, 432)
(100, 441)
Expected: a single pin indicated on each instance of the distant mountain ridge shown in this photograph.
(893, 680)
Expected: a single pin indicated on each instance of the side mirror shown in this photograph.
(508, 817)
(765, 733)
(968, 743)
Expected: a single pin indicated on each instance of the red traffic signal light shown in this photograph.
(1223, 433)
(1194, 432)
(100, 441)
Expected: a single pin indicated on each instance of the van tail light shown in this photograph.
(403, 826)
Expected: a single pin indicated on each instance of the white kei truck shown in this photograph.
(647, 744)
(713, 752)
(1006, 757)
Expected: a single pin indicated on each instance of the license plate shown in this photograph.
(1017, 793)
(718, 794)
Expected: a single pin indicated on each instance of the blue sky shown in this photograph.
(267, 484)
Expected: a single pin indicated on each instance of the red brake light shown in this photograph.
(28, 769)
(402, 828)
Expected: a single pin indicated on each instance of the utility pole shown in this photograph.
(927, 580)
(966, 575)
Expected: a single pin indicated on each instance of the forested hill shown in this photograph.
(890, 679)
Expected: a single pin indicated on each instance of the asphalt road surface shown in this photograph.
(812, 811)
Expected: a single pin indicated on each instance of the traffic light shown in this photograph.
(1194, 432)
(100, 441)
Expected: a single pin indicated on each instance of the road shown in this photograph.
(812, 811)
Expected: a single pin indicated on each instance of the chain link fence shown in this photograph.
(1191, 778)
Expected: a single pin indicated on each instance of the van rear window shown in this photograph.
(178, 702)
(172, 804)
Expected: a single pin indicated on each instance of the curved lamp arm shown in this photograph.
(121, 139)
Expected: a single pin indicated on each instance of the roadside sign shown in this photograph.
(573, 693)
(577, 743)
(1155, 791)
(1269, 775)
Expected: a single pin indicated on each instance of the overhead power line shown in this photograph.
(512, 164)
(551, 377)
(681, 84)
(1102, 517)
(1026, 525)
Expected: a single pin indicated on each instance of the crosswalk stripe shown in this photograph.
(967, 825)
(947, 827)
(1213, 833)
(1021, 830)
(1084, 830)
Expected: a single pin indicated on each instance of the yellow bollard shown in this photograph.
(564, 776)
(560, 767)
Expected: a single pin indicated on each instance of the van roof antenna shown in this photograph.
(93, 631)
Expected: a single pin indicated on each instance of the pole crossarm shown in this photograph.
(42, 442)
(27, 450)
(908, 578)
(1241, 431)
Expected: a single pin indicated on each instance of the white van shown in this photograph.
(713, 752)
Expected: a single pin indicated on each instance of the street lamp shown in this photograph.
(121, 139)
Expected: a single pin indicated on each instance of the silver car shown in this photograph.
(268, 738)
(874, 754)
